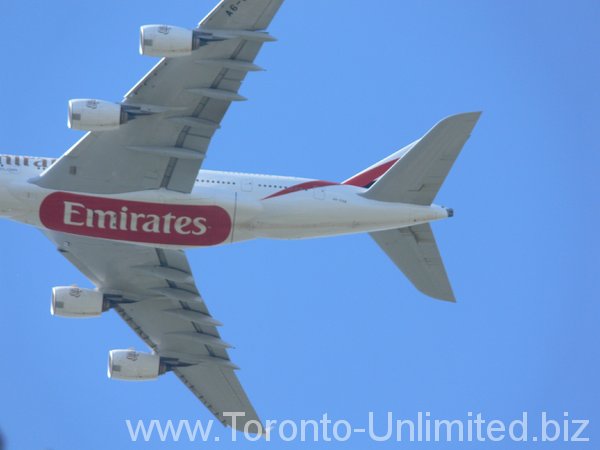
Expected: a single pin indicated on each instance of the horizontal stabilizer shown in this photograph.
(416, 254)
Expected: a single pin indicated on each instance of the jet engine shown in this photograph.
(95, 115)
(167, 41)
(77, 303)
(129, 365)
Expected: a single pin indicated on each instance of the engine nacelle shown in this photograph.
(70, 301)
(95, 115)
(129, 365)
(167, 41)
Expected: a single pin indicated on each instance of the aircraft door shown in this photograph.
(319, 194)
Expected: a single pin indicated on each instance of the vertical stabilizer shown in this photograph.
(419, 174)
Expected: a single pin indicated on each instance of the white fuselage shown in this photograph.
(223, 208)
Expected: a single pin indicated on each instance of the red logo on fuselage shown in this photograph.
(123, 220)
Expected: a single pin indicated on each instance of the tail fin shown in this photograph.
(370, 175)
(419, 173)
(416, 177)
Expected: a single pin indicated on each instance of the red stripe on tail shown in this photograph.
(364, 179)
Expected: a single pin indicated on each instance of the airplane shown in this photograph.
(127, 199)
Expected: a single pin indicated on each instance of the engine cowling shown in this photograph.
(129, 365)
(167, 41)
(73, 302)
(95, 115)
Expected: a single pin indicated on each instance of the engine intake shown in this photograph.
(95, 115)
(168, 41)
(129, 365)
(74, 302)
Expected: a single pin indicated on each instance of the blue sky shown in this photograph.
(330, 325)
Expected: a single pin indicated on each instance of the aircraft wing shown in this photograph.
(181, 103)
(153, 290)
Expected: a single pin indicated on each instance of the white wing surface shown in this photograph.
(178, 107)
(153, 290)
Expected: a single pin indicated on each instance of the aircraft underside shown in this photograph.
(208, 216)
